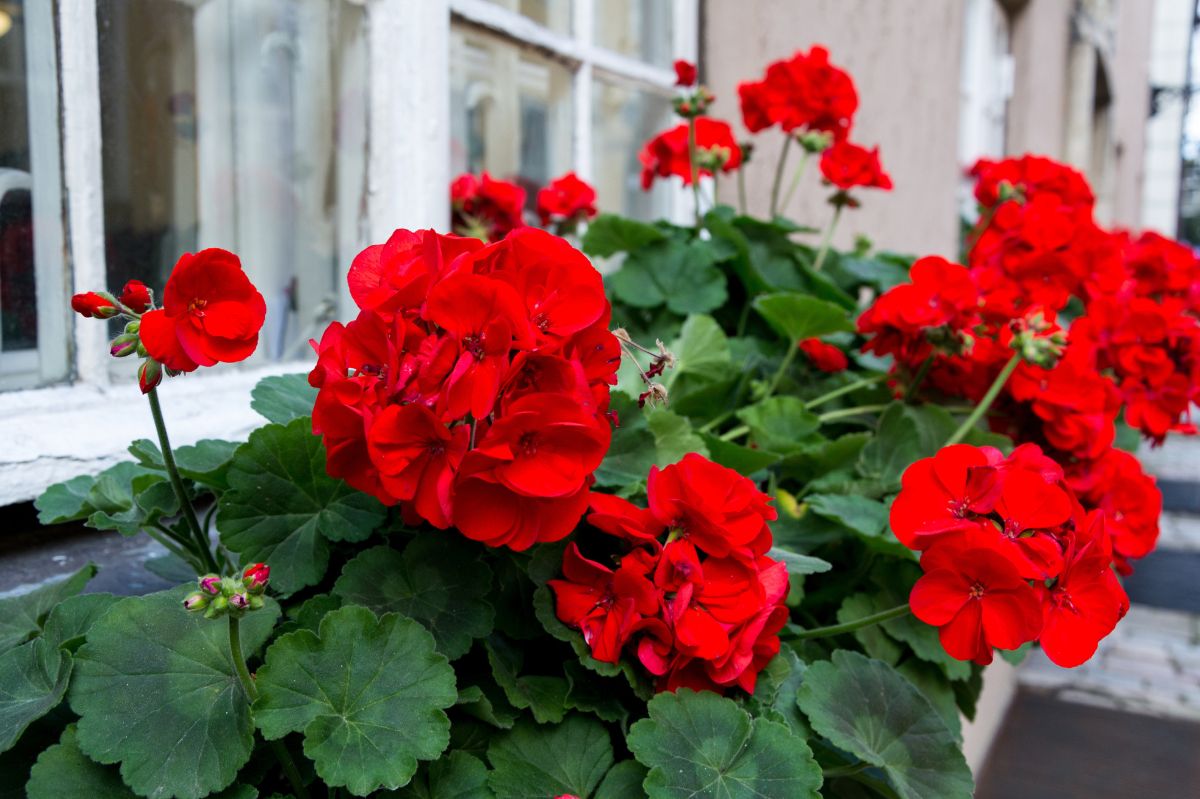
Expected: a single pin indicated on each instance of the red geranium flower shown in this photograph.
(135, 296)
(566, 199)
(1031, 176)
(211, 314)
(685, 73)
(825, 357)
(417, 456)
(667, 153)
(945, 494)
(94, 305)
(484, 207)
(847, 165)
(802, 92)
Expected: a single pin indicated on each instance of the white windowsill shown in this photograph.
(52, 434)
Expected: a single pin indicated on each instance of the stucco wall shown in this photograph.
(904, 56)
(1040, 39)
(1131, 104)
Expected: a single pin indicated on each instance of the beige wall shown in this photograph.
(1131, 108)
(1040, 39)
(907, 81)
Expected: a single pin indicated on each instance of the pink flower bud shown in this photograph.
(210, 584)
(239, 601)
(256, 576)
(124, 344)
(135, 296)
(195, 601)
(149, 376)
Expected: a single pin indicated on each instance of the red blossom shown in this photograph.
(685, 73)
(135, 296)
(566, 199)
(847, 165)
(666, 154)
(485, 207)
(93, 304)
(825, 357)
(804, 92)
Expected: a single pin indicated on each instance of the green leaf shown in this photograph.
(775, 693)
(880, 273)
(673, 436)
(283, 398)
(116, 486)
(70, 620)
(701, 744)
(544, 761)
(779, 424)
(593, 694)
(798, 316)
(932, 683)
(66, 501)
(64, 771)
(799, 565)
(156, 691)
(543, 695)
(609, 234)
(632, 451)
(866, 708)
(282, 508)
(906, 433)
(702, 349)
(868, 518)
(439, 581)
(368, 693)
(153, 498)
(680, 275)
(207, 461)
(623, 781)
(21, 616)
(744, 460)
(33, 679)
(456, 776)
(543, 608)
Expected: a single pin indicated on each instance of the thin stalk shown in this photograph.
(736, 432)
(716, 422)
(851, 626)
(787, 141)
(919, 378)
(795, 180)
(846, 389)
(281, 752)
(842, 413)
(988, 398)
(828, 238)
(741, 181)
(695, 168)
(843, 771)
(203, 550)
(782, 370)
(172, 545)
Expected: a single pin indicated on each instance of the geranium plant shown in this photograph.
(746, 519)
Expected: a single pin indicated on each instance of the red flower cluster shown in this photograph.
(847, 165)
(667, 153)
(685, 73)
(825, 357)
(473, 385)
(566, 200)
(702, 610)
(1030, 176)
(804, 92)
(1008, 553)
(484, 207)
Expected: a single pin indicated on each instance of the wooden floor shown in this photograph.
(1049, 749)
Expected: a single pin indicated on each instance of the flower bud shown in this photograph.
(217, 606)
(149, 375)
(95, 304)
(255, 577)
(122, 345)
(239, 601)
(195, 601)
(816, 141)
(257, 602)
(210, 584)
(135, 296)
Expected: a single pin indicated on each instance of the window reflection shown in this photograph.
(624, 120)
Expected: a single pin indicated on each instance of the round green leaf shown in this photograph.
(156, 691)
(540, 761)
(282, 398)
(701, 744)
(458, 776)
(438, 580)
(368, 693)
(282, 508)
(622, 781)
(33, 679)
(21, 616)
(799, 316)
(70, 620)
(866, 708)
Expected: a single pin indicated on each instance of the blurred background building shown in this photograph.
(294, 132)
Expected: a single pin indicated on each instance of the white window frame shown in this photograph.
(52, 434)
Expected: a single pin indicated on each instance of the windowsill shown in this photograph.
(53, 434)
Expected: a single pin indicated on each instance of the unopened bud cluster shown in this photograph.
(233, 596)
(1038, 341)
(133, 301)
(695, 103)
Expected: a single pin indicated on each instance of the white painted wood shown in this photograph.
(83, 175)
(581, 141)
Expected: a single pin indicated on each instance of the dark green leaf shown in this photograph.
(906, 433)
(66, 501)
(879, 273)
(673, 436)
(864, 516)
(798, 316)
(799, 565)
(594, 694)
(156, 690)
(702, 350)
(632, 451)
(701, 744)
(70, 620)
(874, 640)
(544, 761)
(744, 460)
(609, 234)
(282, 508)
(368, 693)
(779, 424)
(22, 615)
(680, 275)
(623, 781)
(866, 708)
(116, 486)
(456, 776)
(439, 581)
(207, 461)
(283, 398)
(932, 683)
(543, 695)
(33, 679)
(775, 693)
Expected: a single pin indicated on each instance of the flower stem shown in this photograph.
(843, 771)
(203, 550)
(281, 752)
(694, 167)
(736, 432)
(828, 238)
(842, 413)
(846, 389)
(787, 198)
(851, 626)
(993, 391)
(919, 378)
(783, 367)
(787, 141)
(715, 422)
(741, 181)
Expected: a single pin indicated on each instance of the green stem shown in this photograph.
(846, 389)
(782, 370)
(843, 771)
(993, 391)
(919, 378)
(736, 432)
(715, 422)
(172, 545)
(851, 626)
(827, 240)
(281, 752)
(842, 413)
(796, 180)
(203, 550)
(694, 167)
(741, 181)
(787, 141)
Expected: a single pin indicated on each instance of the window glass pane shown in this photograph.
(553, 14)
(30, 200)
(510, 112)
(623, 120)
(638, 28)
(238, 124)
